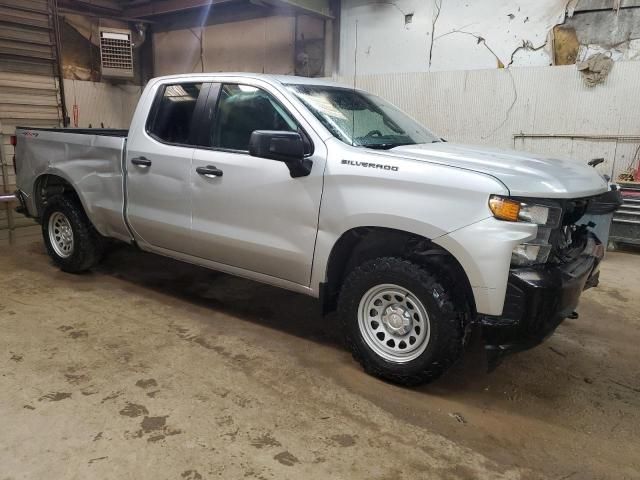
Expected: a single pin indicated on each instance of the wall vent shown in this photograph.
(116, 54)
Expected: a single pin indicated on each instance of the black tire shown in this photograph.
(446, 320)
(88, 245)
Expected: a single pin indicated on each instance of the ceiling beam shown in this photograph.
(89, 6)
(161, 7)
(149, 8)
(314, 7)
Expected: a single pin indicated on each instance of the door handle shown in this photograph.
(209, 171)
(141, 161)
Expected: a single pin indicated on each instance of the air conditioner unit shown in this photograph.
(116, 53)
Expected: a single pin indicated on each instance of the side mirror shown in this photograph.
(287, 147)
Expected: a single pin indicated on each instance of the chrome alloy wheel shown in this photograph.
(393, 323)
(61, 234)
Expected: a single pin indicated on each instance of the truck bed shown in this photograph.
(91, 159)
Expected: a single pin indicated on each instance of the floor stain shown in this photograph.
(76, 379)
(147, 383)
(157, 429)
(97, 459)
(265, 440)
(286, 458)
(16, 357)
(97, 437)
(615, 294)
(150, 424)
(29, 407)
(167, 432)
(224, 421)
(55, 396)
(112, 396)
(75, 334)
(344, 440)
(203, 342)
(133, 410)
(191, 475)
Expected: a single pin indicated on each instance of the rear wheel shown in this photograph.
(400, 321)
(71, 240)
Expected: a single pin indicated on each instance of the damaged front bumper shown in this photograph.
(538, 299)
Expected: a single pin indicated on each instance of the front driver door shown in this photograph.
(253, 215)
(158, 167)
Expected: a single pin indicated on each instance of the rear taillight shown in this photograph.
(14, 140)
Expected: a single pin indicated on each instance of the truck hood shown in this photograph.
(524, 174)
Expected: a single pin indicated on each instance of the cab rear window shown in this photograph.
(171, 120)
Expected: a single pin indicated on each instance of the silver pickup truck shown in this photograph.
(331, 192)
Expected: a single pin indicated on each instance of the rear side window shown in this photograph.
(171, 118)
(243, 109)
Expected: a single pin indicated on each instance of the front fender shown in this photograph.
(424, 199)
(483, 249)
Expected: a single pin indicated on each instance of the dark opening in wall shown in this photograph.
(310, 46)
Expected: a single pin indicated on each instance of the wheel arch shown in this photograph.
(360, 244)
(55, 182)
(49, 184)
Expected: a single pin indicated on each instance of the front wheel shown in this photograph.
(72, 242)
(400, 321)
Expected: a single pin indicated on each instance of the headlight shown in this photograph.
(513, 210)
(547, 217)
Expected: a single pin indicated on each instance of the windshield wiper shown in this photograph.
(385, 146)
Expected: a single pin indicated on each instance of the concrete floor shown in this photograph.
(151, 369)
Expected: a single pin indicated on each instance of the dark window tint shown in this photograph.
(243, 109)
(173, 113)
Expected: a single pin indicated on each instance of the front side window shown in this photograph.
(242, 109)
(361, 119)
(171, 120)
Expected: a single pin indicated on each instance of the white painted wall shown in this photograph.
(444, 34)
(257, 45)
(489, 106)
(98, 102)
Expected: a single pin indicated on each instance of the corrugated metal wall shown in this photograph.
(29, 94)
(266, 44)
(490, 106)
(102, 103)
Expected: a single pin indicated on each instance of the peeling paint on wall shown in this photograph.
(595, 69)
(605, 30)
(465, 35)
(446, 35)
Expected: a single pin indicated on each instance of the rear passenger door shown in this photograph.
(253, 215)
(158, 164)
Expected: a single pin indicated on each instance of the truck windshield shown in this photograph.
(361, 119)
